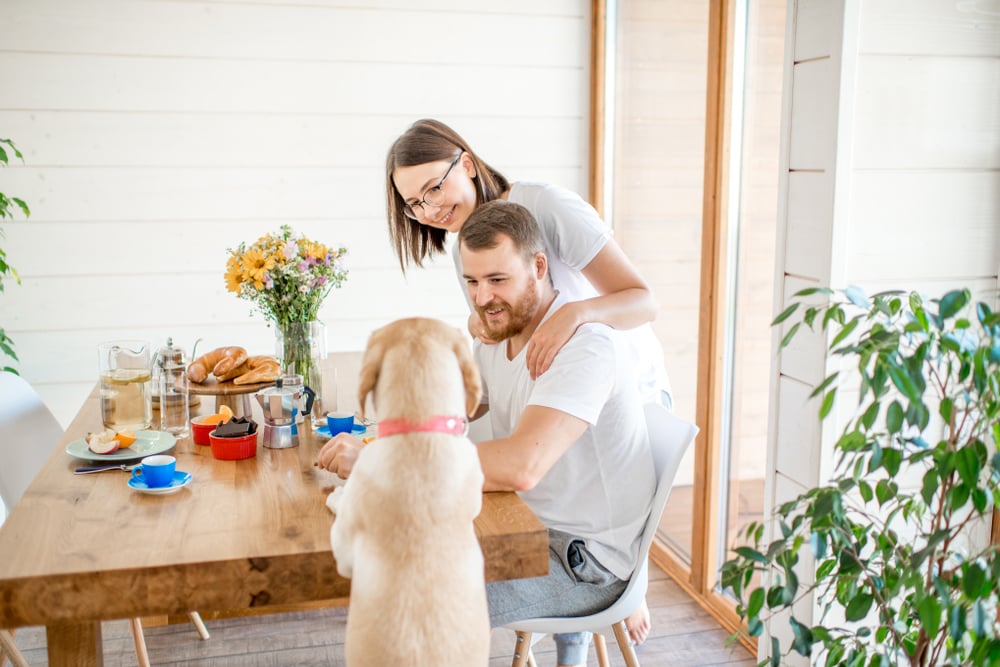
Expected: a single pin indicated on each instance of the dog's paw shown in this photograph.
(333, 500)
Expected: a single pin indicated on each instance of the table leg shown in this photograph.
(75, 644)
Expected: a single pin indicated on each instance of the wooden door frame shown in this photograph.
(698, 579)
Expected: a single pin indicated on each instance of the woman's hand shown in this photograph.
(340, 454)
(478, 330)
(549, 338)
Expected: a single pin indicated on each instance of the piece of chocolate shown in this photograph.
(236, 428)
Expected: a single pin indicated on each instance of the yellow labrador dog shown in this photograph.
(403, 530)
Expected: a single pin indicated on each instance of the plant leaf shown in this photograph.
(952, 302)
(858, 607)
(751, 554)
(857, 296)
(894, 417)
(827, 405)
(756, 603)
(968, 466)
(785, 314)
(845, 332)
(929, 610)
(803, 640)
(788, 336)
(24, 207)
(824, 384)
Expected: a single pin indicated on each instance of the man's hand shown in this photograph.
(340, 454)
(478, 330)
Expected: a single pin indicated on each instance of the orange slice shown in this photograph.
(223, 415)
(125, 438)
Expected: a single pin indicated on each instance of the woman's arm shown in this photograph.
(625, 301)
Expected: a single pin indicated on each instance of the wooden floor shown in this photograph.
(683, 635)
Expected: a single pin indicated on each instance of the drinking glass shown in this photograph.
(126, 377)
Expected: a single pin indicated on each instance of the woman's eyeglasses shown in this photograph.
(433, 197)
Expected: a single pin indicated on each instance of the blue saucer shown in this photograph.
(324, 429)
(181, 479)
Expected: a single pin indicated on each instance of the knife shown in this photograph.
(85, 470)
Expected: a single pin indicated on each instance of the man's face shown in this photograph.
(503, 287)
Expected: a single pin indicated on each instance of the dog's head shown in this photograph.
(421, 340)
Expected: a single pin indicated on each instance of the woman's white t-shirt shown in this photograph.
(574, 233)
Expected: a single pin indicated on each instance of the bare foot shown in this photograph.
(638, 624)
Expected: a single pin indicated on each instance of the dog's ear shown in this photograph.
(470, 374)
(371, 364)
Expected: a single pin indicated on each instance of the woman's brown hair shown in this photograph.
(429, 140)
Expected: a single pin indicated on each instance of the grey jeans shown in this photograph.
(577, 585)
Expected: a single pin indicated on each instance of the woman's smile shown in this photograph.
(446, 220)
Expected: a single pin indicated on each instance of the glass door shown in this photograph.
(659, 55)
(757, 48)
(692, 112)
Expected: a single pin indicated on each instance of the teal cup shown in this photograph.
(156, 471)
(339, 422)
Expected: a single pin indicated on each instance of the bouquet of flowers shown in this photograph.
(286, 276)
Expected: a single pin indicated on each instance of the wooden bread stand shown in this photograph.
(235, 396)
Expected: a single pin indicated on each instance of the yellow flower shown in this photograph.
(256, 265)
(234, 277)
(315, 250)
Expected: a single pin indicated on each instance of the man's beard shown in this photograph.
(519, 315)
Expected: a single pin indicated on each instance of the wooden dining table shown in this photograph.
(242, 535)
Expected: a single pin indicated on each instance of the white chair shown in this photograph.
(25, 419)
(669, 438)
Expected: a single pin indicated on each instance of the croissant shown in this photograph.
(236, 371)
(219, 361)
(261, 369)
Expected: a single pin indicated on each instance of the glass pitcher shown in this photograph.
(126, 402)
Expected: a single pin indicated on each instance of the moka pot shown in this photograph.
(282, 404)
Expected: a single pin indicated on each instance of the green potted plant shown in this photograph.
(893, 577)
(7, 210)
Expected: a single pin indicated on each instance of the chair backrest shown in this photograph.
(669, 438)
(28, 433)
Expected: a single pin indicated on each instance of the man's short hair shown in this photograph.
(488, 221)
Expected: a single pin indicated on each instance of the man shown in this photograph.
(572, 442)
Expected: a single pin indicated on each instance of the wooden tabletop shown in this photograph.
(242, 534)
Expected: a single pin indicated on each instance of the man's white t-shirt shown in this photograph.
(601, 488)
(574, 233)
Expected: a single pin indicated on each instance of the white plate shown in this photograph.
(181, 479)
(146, 443)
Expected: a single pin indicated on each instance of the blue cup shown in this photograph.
(156, 471)
(339, 422)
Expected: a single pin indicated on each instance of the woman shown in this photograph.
(434, 180)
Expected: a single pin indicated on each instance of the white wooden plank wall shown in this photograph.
(157, 134)
(891, 170)
(893, 156)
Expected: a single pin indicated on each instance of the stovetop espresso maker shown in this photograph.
(283, 405)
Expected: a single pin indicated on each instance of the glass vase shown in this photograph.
(301, 349)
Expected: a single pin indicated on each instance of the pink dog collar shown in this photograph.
(440, 424)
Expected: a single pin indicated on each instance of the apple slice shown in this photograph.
(103, 442)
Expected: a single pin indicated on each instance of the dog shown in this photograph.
(403, 530)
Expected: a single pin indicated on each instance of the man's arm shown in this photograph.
(518, 462)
